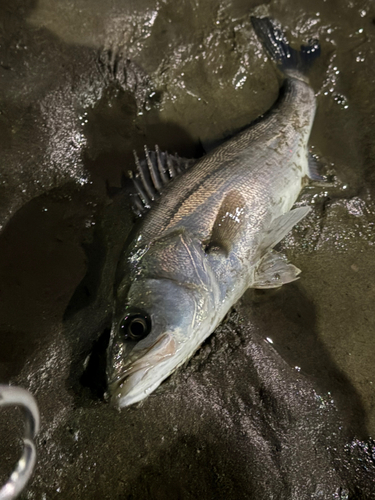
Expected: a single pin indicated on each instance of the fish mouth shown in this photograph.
(130, 386)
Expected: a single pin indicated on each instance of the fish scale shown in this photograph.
(207, 234)
(217, 172)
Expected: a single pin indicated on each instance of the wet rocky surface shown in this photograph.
(279, 402)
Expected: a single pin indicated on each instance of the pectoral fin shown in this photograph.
(274, 271)
(281, 226)
(228, 223)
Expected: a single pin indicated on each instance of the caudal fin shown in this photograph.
(277, 46)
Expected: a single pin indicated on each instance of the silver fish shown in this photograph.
(210, 235)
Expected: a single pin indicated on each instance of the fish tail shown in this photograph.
(275, 42)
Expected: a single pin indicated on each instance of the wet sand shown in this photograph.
(82, 85)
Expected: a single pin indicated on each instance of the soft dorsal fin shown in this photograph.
(314, 168)
(153, 173)
(228, 223)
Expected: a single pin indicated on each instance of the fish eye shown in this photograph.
(135, 326)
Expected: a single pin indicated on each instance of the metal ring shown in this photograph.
(16, 396)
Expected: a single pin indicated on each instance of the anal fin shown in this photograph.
(274, 271)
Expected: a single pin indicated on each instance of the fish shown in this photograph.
(208, 229)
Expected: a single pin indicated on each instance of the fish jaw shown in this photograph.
(134, 382)
(145, 372)
(147, 368)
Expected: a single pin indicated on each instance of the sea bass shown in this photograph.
(208, 230)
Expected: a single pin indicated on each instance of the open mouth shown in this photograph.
(136, 371)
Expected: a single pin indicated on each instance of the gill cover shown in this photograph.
(173, 289)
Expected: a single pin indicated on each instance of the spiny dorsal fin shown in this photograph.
(153, 173)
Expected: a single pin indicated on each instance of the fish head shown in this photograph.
(161, 317)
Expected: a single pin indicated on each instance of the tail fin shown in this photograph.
(276, 44)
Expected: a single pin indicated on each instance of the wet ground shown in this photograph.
(280, 401)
